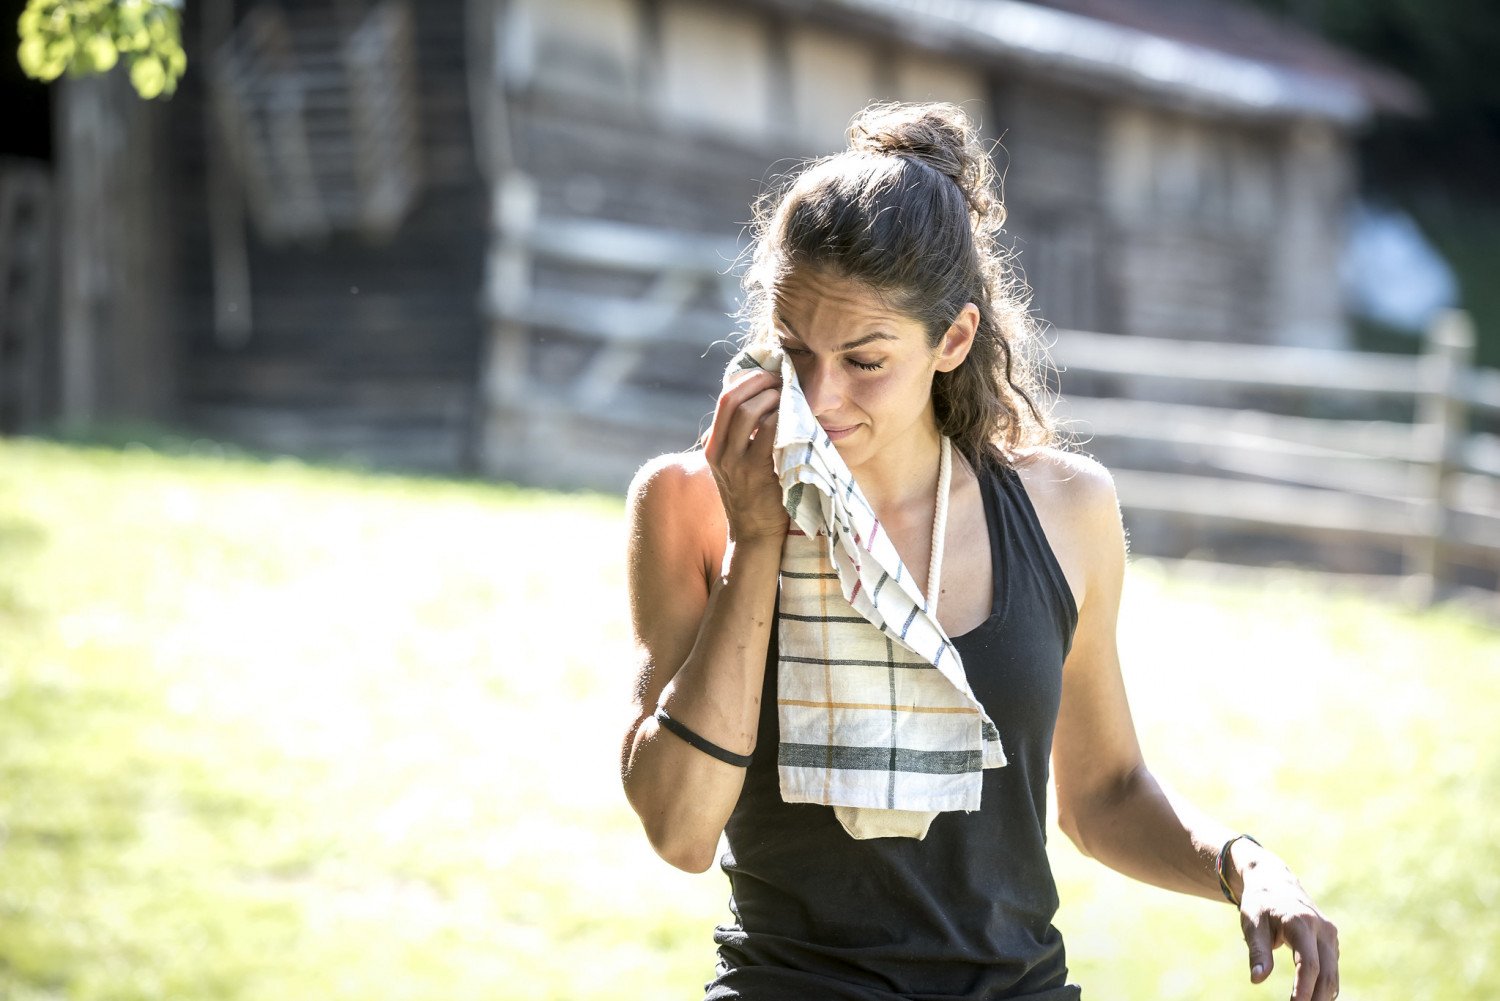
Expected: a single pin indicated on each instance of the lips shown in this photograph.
(834, 434)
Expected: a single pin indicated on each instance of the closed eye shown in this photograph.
(798, 351)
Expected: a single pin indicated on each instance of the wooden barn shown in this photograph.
(1173, 168)
(498, 235)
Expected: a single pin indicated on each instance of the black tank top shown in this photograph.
(966, 912)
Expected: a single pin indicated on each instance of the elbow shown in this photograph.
(1067, 822)
(679, 842)
(1087, 818)
(678, 824)
(688, 858)
(690, 854)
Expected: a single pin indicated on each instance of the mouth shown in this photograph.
(834, 434)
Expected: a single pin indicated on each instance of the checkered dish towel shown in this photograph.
(877, 717)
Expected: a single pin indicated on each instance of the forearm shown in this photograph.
(717, 690)
(684, 796)
(1154, 835)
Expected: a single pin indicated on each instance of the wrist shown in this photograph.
(752, 547)
(1239, 857)
(749, 559)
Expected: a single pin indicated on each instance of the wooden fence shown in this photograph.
(1381, 450)
(1379, 454)
(600, 350)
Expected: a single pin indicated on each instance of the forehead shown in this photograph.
(813, 298)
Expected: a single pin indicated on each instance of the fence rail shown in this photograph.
(1429, 485)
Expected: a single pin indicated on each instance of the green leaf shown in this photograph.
(35, 61)
(102, 53)
(148, 76)
(83, 37)
(62, 49)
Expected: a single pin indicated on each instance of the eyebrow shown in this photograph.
(879, 335)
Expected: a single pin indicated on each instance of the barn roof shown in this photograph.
(1215, 54)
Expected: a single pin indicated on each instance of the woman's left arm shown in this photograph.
(1109, 803)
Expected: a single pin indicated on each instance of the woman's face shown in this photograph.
(865, 369)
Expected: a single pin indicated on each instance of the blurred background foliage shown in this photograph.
(1441, 168)
(92, 36)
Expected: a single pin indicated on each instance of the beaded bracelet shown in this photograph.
(1219, 866)
(708, 747)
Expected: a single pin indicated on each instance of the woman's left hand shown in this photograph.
(1275, 910)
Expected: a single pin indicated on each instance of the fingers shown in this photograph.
(741, 410)
(739, 453)
(748, 419)
(1258, 937)
(740, 391)
(1305, 954)
(1275, 910)
(765, 438)
(1328, 965)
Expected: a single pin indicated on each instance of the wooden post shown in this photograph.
(115, 351)
(86, 135)
(1443, 417)
(504, 446)
(229, 249)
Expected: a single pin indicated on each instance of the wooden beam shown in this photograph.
(1247, 365)
(1180, 422)
(1267, 504)
(636, 249)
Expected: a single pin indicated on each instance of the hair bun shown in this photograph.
(938, 135)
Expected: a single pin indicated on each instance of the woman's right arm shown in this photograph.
(701, 623)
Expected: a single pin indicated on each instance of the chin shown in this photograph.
(852, 452)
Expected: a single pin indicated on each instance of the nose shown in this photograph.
(822, 384)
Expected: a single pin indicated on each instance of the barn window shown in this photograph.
(586, 47)
(1174, 168)
(716, 68)
(833, 76)
(929, 78)
(322, 120)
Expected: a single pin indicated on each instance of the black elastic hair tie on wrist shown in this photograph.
(708, 747)
(1223, 861)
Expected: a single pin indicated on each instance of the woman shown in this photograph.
(877, 272)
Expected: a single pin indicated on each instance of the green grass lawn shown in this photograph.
(276, 732)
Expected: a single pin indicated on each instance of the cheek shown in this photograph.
(894, 390)
(799, 366)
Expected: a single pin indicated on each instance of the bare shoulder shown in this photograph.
(1071, 484)
(1075, 500)
(673, 505)
(676, 477)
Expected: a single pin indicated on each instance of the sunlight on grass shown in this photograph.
(1354, 738)
(273, 731)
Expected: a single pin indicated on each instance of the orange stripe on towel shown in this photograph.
(882, 707)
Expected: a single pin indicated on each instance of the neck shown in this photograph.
(904, 473)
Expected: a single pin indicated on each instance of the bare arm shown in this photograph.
(1115, 810)
(702, 625)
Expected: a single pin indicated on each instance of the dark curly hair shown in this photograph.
(912, 210)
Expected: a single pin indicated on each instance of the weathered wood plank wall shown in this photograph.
(359, 350)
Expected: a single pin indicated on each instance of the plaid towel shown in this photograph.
(877, 717)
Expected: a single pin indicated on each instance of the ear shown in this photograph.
(955, 345)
